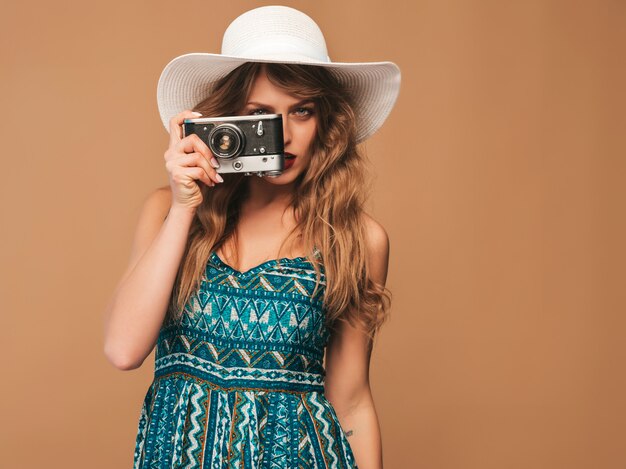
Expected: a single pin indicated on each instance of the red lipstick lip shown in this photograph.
(290, 155)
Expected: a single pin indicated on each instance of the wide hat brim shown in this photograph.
(189, 79)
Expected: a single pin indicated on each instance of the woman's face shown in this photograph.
(299, 124)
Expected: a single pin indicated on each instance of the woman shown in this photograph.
(244, 283)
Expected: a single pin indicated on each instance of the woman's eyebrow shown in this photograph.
(267, 106)
(254, 103)
(303, 102)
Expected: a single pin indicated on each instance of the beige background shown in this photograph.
(499, 177)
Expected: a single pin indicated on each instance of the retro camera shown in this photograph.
(243, 144)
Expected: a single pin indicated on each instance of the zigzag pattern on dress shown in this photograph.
(247, 429)
(279, 318)
(223, 353)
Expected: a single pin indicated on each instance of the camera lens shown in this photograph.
(226, 140)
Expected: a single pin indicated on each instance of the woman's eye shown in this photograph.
(256, 112)
(303, 111)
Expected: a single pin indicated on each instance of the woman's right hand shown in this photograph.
(187, 160)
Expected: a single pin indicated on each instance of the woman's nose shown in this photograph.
(286, 130)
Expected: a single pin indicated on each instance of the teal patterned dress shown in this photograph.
(239, 380)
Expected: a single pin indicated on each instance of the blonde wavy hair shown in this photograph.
(328, 200)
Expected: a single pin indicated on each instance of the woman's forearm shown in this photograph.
(361, 426)
(137, 309)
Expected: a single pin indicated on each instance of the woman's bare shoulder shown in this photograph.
(377, 249)
(377, 237)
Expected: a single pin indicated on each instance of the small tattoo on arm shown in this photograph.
(349, 433)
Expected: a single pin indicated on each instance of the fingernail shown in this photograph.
(196, 114)
(214, 163)
(219, 178)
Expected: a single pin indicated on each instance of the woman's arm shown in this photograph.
(347, 368)
(136, 311)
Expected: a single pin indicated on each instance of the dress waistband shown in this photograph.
(237, 378)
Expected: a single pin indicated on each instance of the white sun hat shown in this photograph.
(278, 34)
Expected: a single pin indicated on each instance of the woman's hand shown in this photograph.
(187, 160)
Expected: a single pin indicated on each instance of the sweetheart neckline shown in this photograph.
(271, 262)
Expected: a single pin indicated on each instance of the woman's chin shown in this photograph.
(283, 179)
(288, 176)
